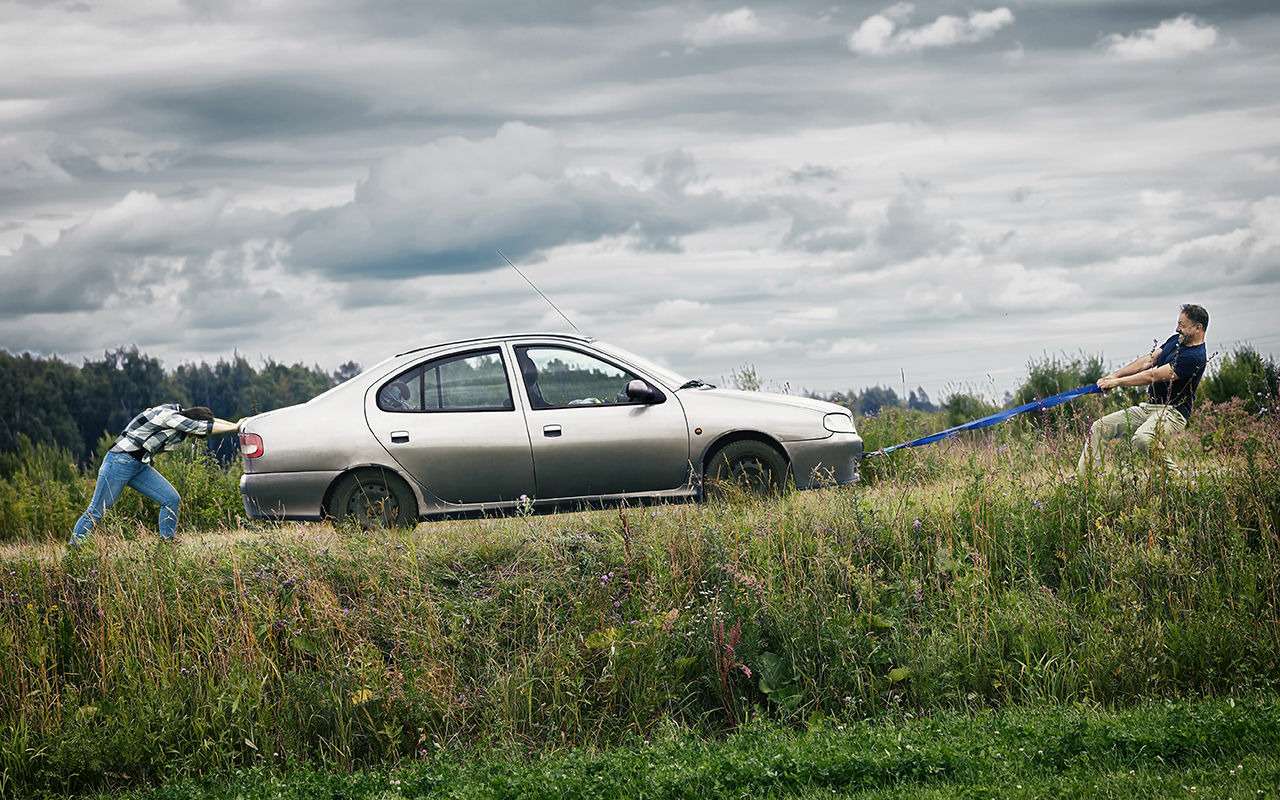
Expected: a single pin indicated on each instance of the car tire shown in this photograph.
(373, 498)
(752, 464)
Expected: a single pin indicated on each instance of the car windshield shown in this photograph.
(668, 376)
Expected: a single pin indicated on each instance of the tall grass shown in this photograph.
(963, 576)
(43, 492)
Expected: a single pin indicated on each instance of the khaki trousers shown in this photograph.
(1148, 423)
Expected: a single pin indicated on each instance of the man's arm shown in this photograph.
(1164, 372)
(181, 422)
(223, 426)
(1134, 367)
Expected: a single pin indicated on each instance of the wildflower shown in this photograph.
(1037, 504)
(917, 524)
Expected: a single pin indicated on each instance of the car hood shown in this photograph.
(768, 399)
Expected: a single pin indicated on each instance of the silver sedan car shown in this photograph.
(529, 421)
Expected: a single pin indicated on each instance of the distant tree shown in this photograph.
(345, 372)
(277, 385)
(36, 399)
(57, 403)
(918, 400)
(874, 398)
(1053, 374)
(963, 407)
(868, 401)
(115, 388)
(220, 386)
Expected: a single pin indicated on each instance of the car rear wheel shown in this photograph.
(373, 498)
(749, 464)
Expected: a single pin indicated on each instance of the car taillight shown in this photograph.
(250, 445)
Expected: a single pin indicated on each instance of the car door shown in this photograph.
(588, 437)
(451, 422)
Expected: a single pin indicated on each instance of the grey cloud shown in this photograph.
(906, 228)
(910, 229)
(819, 226)
(813, 172)
(229, 308)
(125, 250)
(251, 108)
(447, 206)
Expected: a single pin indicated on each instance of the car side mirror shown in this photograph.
(641, 392)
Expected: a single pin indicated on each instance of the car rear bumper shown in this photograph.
(285, 495)
(823, 462)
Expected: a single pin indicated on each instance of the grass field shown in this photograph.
(1218, 749)
(964, 599)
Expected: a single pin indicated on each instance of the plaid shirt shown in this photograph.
(158, 429)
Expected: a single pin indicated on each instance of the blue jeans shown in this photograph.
(119, 470)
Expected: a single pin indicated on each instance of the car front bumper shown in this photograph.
(824, 462)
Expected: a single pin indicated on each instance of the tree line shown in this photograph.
(55, 402)
(1243, 374)
(52, 401)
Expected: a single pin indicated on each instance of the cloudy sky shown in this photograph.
(836, 194)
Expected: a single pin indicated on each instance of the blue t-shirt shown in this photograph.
(1188, 366)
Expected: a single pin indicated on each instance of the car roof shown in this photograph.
(566, 336)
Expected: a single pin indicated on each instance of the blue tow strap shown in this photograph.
(994, 419)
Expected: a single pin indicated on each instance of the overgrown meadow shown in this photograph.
(965, 576)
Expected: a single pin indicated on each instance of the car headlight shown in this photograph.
(838, 423)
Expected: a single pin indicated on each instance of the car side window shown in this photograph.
(470, 382)
(403, 392)
(557, 377)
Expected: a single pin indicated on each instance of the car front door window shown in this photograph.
(556, 377)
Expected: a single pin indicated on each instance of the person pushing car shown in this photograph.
(128, 463)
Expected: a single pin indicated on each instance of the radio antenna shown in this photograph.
(540, 294)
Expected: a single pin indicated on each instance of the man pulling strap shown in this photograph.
(1171, 373)
(128, 463)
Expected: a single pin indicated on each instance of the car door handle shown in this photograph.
(399, 437)
(551, 430)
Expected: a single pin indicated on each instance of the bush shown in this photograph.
(962, 407)
(43, 492)
(1247, 375)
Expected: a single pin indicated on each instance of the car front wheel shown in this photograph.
(752, 465)
(374, 498)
